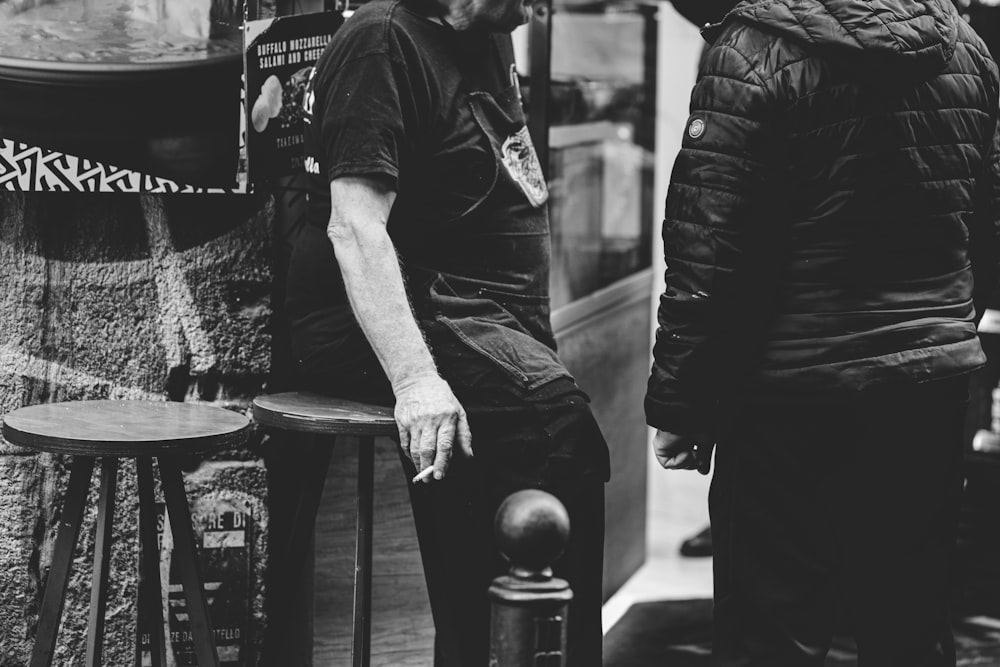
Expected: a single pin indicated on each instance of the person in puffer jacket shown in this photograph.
(831, 236)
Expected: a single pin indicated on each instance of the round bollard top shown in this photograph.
(531, 529)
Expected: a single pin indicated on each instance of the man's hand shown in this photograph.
(432, 423)
(683, 452)
(430, 419)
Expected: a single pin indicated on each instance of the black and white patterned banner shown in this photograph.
(25, 168)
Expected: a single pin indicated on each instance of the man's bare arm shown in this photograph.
(430, 419)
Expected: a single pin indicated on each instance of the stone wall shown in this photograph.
(124, 297)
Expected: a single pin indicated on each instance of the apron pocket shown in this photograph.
(490, 330)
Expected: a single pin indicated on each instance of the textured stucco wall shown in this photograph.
(123, 296)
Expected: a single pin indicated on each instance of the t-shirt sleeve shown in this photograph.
(367, 117)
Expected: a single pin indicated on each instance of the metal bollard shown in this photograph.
(529, 605)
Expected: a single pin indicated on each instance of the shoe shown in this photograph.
(699, 545)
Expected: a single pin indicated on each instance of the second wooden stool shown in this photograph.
(317, 414)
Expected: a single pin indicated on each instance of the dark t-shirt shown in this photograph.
(398, 95)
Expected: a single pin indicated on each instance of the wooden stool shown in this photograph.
(110, 430)
(322, 415)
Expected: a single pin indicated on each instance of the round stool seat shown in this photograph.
(125, 428)
(315, 413)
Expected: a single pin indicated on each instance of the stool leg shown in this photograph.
(62, 561)
(150, 592)
(102, 560)
(187, 562)
(361, 646)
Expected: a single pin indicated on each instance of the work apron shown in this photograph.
(482, 271)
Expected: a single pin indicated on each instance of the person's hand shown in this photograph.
(683, 452)
(432, 424)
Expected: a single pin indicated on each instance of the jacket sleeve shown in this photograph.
(715, 243)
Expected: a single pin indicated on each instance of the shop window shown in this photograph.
(599, 104)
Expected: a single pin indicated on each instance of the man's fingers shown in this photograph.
(690, 462)
(413, 446)
(445, 437)
(404, 443)
(463, 435)
(675, 451)
(427, 448)
(668, 445)
(682, 460)
(663, 460)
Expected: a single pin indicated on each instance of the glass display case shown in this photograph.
(590, 70)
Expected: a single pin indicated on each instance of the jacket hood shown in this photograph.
(909, 38)
(703, 12)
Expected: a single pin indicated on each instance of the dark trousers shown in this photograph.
(455, 517)
(542, 438)
(848, 503)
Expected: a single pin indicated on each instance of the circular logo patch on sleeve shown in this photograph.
(696, 128)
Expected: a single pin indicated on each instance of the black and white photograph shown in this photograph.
(499, 333)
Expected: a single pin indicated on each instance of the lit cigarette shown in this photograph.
(423, 474)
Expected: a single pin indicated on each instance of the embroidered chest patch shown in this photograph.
(521, 162)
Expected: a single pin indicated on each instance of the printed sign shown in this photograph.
(223, 530)
(280, 53)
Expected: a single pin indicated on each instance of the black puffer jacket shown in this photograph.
(837, 175)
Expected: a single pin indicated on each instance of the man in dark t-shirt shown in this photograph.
(421, 281)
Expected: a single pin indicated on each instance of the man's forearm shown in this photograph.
(432, 422)
(376, 291)
(430, 419)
